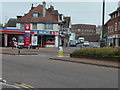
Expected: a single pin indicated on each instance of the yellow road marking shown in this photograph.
(23, 86)
(29, 86)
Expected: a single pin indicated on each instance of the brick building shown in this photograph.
(85, 30)
(43, 24)
(113, 28)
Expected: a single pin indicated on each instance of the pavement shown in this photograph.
(14, 51)
(89, 61)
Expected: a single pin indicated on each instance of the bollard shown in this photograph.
(18, 49)
(60, 51)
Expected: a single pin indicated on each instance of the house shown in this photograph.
(113, 28)
(43, 25)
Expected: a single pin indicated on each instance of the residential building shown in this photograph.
(113, 28)
(43, 24)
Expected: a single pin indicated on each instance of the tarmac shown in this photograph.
(104, 63)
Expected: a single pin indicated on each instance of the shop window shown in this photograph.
(50, 40)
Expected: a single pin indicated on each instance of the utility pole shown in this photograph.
(103, 17)
(102, 41)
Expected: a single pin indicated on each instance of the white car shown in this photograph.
(86, 43)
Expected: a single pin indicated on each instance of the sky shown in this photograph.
(80, 12)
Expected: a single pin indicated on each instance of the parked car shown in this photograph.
(73, 43)
(81, 39)
(77, 42)
(86, 43)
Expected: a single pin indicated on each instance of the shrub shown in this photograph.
(98, 52)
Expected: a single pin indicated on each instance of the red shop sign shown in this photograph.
(27, 26)
(27, 39)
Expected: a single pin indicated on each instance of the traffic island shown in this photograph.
(104, 54)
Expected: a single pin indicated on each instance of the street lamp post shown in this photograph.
(60, 36)
(60, 49)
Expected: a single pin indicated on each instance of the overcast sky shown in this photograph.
(80, 12)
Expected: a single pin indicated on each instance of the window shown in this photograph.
(21, 26)
(34, 26)
(108, 29)
(119, 26)
(49, 26)
(115, 26)
(35, 14)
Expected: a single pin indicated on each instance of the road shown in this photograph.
(41, 72)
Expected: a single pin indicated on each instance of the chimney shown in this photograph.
(32, 6)
(52, 8)
(44, 8)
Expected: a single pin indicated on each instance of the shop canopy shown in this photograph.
(22, 31)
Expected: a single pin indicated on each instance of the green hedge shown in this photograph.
(98, 52)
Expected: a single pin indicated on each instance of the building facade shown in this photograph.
(43, 24)
(113, 28)
(85, 30)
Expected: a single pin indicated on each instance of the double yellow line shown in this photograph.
(26, 86)
(21, 85)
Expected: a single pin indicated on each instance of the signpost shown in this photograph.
(27, 39)
(27, 35)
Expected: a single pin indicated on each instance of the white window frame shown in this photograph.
(48, 26)
(33, 26)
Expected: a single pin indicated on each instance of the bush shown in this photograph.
(98, 52)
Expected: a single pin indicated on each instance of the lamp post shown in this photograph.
(60, 36)
(60, 48)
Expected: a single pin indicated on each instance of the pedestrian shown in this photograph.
(66, 44)
(62, 42)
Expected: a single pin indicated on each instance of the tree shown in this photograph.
(1, 26)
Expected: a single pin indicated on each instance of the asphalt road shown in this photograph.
(41, 72)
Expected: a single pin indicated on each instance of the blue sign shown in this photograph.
(43, 32)
(27, 34)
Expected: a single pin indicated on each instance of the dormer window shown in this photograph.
(35, 14)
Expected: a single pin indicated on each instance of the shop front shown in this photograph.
(38, 38)
(47, 38)
(113, 40)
